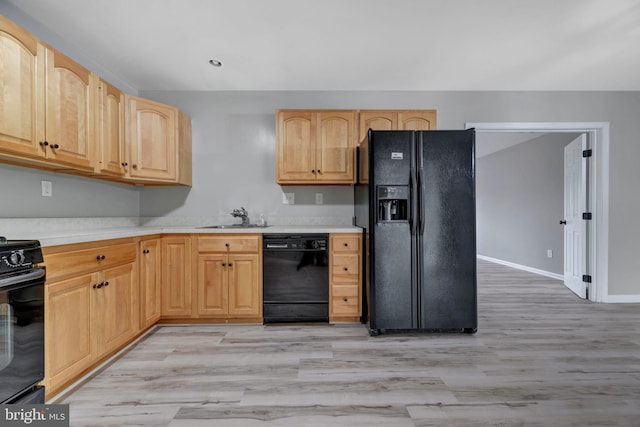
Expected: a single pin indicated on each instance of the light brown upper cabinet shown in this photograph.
(109, 137)
(388, 120)
(69, 119)
(56, 115)
(22, 101)
(315, 146)
(159, 141)
(45, 106)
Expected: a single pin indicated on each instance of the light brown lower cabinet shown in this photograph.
(89, 315)
(176, 277)
(149, 261)
(345, 275)
(229, 278)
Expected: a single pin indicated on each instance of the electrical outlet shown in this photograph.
(319, 198)
(549, 253)
(288, 198)
(47, 189)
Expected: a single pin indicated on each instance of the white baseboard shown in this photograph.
(622, 298)
(523, 267)
(629, 299)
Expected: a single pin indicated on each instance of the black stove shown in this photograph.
(21, 321)
(18, 255)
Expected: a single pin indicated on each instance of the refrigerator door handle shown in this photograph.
(420, 201)
(413, 204)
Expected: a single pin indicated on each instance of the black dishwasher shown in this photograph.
(295, 278)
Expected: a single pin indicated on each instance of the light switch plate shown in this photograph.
(319, 198)
(47, 189)
(549, 253)
(288, 198)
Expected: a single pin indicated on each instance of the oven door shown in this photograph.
(21, 332)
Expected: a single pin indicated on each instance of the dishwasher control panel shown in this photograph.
(276, 242)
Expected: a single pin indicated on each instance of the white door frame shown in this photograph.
(598, 137)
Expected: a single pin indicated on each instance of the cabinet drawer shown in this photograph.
(85, 260)
(345, 300)
(345, 267)
(244, 244)
(346, 243)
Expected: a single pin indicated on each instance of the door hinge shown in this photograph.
(587, 215)
(587, 153)
(586, 278)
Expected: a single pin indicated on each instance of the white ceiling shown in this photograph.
(354, 44)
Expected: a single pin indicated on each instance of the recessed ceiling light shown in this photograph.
(215, 63)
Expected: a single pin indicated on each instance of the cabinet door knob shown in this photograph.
(146, 251)
(44, 143)
(54, 146)
(319, 171)
(345, 300)
(313, 171)
(105, 283)
(226, 244)
(230, 264)
(346, 245)
(125, 164)
(99, 285)
(100, 257)
(346, 269)
(134, 166)
(224, 264)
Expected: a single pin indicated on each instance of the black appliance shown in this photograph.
(21, 321)
(418, 209)
(295, 278)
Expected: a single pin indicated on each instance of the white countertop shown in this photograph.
(64, 237)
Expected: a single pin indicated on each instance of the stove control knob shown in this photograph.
(16, 258)
(315, 244)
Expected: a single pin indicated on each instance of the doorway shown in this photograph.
(598, 175)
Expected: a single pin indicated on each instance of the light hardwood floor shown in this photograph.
(541, 357)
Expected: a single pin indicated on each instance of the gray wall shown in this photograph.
(621, 109)
(73, 197)
(520, 197)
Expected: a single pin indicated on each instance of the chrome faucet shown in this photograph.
(241, 213)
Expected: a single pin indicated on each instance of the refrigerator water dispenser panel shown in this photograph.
(393, 203)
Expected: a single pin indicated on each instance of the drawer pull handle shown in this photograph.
(100, 257)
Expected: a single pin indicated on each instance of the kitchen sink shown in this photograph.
(235, 226)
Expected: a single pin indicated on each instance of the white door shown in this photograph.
(575, 204)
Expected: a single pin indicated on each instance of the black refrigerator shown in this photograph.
(418, 209)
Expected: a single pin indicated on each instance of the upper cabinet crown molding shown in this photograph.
(57, 115)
